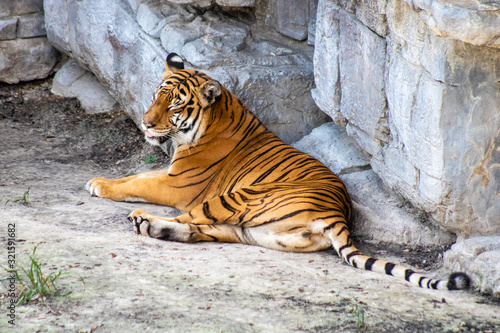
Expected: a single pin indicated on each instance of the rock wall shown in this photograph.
(417, 84)
(125, 43)
(25, 52)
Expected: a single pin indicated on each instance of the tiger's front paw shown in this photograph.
(101, 187)
(97, 187)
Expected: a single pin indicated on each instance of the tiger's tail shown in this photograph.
(340, 236)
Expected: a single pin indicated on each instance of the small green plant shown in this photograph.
(24, 199)
(150, 159)
(38, 285)
(360, 314)
(477, 285)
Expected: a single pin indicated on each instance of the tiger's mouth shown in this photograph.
(155, 138)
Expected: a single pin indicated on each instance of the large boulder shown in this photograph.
(420, 99)
(74, 81)
(125, 43)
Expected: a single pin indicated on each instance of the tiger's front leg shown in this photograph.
(106, 188)
(154, 187)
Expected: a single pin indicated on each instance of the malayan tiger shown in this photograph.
(238, 182)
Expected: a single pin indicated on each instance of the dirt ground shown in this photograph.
(123, 282)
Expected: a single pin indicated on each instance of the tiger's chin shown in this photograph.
(156, 140)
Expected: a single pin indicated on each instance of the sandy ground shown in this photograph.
(123, 282)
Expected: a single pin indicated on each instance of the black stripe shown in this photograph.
(435, 284)
(226, 101)
(206, 212)
(226, 205)
(342, 230)
(284, 217)
(369, 263)
(267, 173)
(388, 268)
(347, 245)
(352, 254)
(408, 273)
(247, 236)
(280, 244)
(193, 184)
(331, 226)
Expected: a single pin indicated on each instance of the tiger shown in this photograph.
(237, 182)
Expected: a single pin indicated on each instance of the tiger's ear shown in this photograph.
(208, 93)
(173, 64)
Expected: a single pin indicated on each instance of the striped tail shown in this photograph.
(342, 243)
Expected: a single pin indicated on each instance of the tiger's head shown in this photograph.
(179, 104)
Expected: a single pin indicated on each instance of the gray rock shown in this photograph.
(20, 7)
(205, 41)
(311, 28)
(196, 3)
(326, 95)
(433, 120)
(373, 14)
(350, 83)
(74, 81)
(362, 65)
(330, 144)
(8, 29)
(31, 26)
(134, 4)
(381, 216)
(153, 16)
(149, 21)
(480, 258)
(471, 21)
(26, 59)
(236, 3)
(293, 18)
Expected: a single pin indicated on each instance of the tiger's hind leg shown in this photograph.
(285, 217)
(172, 230)
(290, 235)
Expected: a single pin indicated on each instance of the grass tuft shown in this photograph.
(38, 284)
(24, 199)
(360, 314)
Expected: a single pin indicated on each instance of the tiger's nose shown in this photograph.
(148, 124)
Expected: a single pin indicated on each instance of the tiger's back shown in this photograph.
(237, 151)
(238, 182)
